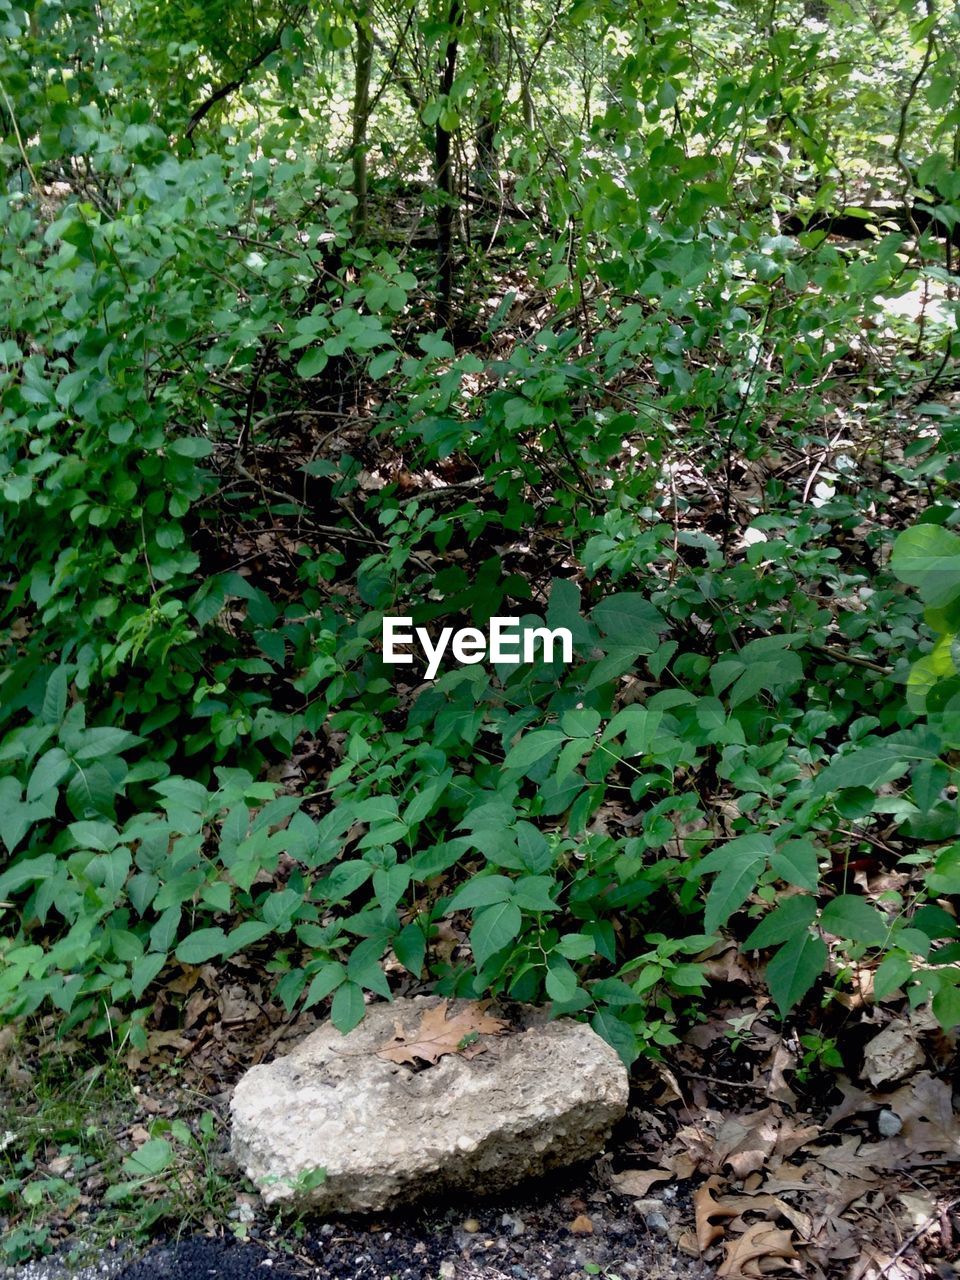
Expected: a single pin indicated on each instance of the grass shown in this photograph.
(86, 1157)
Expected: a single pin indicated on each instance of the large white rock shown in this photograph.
(537, 1098)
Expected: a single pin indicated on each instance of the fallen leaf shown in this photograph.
(850, 1158)
(930, 1123)
(745, 1142)
(783, 1060)
(893, 1054)
(672, 1092)
(706, 1208)
(761, 1243)
(438, 1035)
(854, 1100)
(637, 1182)
(581, 1226)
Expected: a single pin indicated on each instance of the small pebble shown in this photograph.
(657, 1222)
(515, 1224)
(472, 1226)
(448, 1269)
(889, 1124)
(581, 1226)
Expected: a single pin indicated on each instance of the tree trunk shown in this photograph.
(487, 174)
(444, 176)
(361, 116)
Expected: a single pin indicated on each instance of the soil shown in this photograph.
(566, 1229)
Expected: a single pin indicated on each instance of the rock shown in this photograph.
(889, 1123)
(537, 1098)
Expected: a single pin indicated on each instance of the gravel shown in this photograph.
(570, 1230)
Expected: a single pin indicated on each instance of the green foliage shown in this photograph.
(237, 430)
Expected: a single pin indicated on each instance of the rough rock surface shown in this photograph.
(540, 1096)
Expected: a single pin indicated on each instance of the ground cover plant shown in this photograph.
(640, 324)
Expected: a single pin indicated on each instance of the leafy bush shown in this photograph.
(237, 430)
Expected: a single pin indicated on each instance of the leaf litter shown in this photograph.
(437, 1035)
(777, 1190)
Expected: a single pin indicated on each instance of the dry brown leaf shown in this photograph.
(850, 1158)
(745, 1142)
(758, 1252)
(783, 1059)
(930, 1123)
(687, 1242)
(706, 1208)
(581, 1226)
(893, 1054)
(672, 1092)
(791, 1137)
(802, 1221)
(854, 1100)
(438, 1035)
(637, 1182)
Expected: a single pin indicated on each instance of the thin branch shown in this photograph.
(231, 86)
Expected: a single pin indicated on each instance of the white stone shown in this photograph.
(538, 1098)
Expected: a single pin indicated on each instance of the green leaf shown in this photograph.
(164, 932)
(893, 971)
(571, 754)
(481, 891)
(52, 767)
(754, 844)
(640, 726)
(619, 659)
(853, 918)
(796, 863)
(324, 981)
(533, 893)
(15, 819)
(381, 364)
(105, 741)
(783, 922)
(927, 557)
(410, 948)
(795, 968)
(533, 747)
(55, 696)
(581, 722)
(946, 1004)
(190, 447)
(561, 983)
(94, 835)
(493, 929)
(243, 935)
(348, 1007)
(868, 767)
(629, 619)
(731, 888)
(91, 791)
(149, 1160)
(312, 363)
(144, 971)
(201, 945)
(618, 1034)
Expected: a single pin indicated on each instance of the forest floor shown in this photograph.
(721, 1167)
